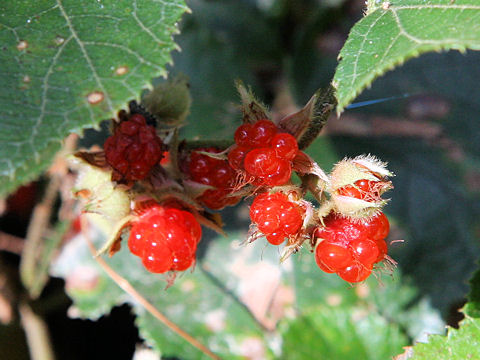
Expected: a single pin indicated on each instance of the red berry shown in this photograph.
(276, 216)
(379, 227)
(365, 251)
(199, 165)
(290, 218)
(261, 162)
(264, 204)
(361, 189)
(382, 250)
(275, 238)
(236, 157)
(215, 199)
(242, 135)
(165, 238)
(262, 133)
(192, 224)
(285, 146)
(223, 175)
(136, 244)
(363, 239)
(216, 173)
(355, 273)
(269, 224)
(281, 176)
(333, 256)
(133, 149)
(157, 257)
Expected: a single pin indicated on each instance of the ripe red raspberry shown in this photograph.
(285, 146)
(263, 154)
(351, 248)
(355, 273)
(216, 173)
(261, 162)
(133, 149)
(165, 238)
(236, 157)
(276, 216)
(280, 176)
(262, 133)
(255, 135)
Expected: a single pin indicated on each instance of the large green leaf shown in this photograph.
(341, 333)
(462, 343)
(393, 32)
(67, 65)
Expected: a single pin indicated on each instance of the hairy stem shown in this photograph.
(324, 105)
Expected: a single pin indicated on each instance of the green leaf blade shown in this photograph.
(68, 65)
(390, 35)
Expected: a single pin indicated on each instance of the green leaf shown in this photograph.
(67, 65)
(341, 333)
(393, 32)
(463, 343)
(460, 344)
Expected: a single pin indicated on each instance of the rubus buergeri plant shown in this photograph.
(45, 90)
(345, 230)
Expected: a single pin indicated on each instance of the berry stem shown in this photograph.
(325, 103)
(125, 285)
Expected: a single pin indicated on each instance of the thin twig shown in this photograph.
(36, 229)
(40, 220)
(125, 285)
(11, 243)
(36, 332)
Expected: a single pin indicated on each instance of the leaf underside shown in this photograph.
(393, 32)
(67, 65)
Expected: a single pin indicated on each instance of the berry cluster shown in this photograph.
(133, 149)
(165, 238)
(216, 173)
(276, 216)
(264, 153)
(348, 228)
(351, 248)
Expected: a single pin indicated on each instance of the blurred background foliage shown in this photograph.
(286, 50)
